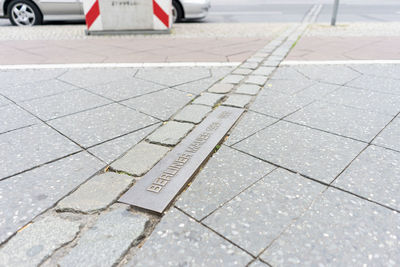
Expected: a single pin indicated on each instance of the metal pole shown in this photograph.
(335, 11)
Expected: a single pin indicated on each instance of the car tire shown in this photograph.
(24, 13)
(177, 11)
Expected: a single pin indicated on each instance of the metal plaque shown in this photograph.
(167, 178)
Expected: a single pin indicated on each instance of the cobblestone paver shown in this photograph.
(38, 241)
(308, 175)
(171, 133)
(192, 113)
(98, 193)
(104, 244)
(329, 195)
(45, 133)
(140, 159)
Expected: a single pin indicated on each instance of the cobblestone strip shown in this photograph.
(238, 90)
(87, 228)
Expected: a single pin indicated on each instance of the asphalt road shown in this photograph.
(232, 11)
(294, 11)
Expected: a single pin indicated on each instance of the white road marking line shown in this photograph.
(337, 62)
(246, 13)
(119, 65)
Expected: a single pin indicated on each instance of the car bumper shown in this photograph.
(196, 9)
(2, 15)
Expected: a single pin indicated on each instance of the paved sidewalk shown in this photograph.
(308, 176)
(59, 127)
(358, 41)
(322, 146)
(188, 43)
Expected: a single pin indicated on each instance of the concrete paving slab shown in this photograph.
(289, 87)
(278, 105)
(251, 123)
(389, 137)
(170, 133)
(208, 99)
(369, 100)
(288, 73)
(35, 90)
(125, 89)
(13, 117)
(258, 263)
(173, 76)
(349, 42)
(192, 113)
(93, 76)
(373, 175)
(233, 79)
(140, 159)
(4, 101)
(378, 84)
(317, 154)
(317, 91)
(179, 240)
(339, 228)
(343, 120)
(30, 193)
(107, 241)
(38, 241)
(379, 70)
(13, 78)
(31, 146)
(196, 87)
(62, 104)
(98, 125)
(225, 175)
(334, 74)
(220, 72)
(111, 150)
(97, 193)
(256, 217)
(162, 104)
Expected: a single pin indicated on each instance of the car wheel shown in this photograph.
(24, 13)
(177, 12)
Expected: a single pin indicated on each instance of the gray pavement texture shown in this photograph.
(191, 243)
(339, 229)
(192, 113)
(97, 194)
(239, 101)
(104, 244)
(140, 159)
(171, 133)
(307, 177)
(38, 241)
(58, 127)
(208, 99)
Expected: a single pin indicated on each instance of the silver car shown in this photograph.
(34, 12)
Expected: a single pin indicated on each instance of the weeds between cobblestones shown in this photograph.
(119, 229)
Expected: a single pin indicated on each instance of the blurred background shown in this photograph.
(236, 11)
